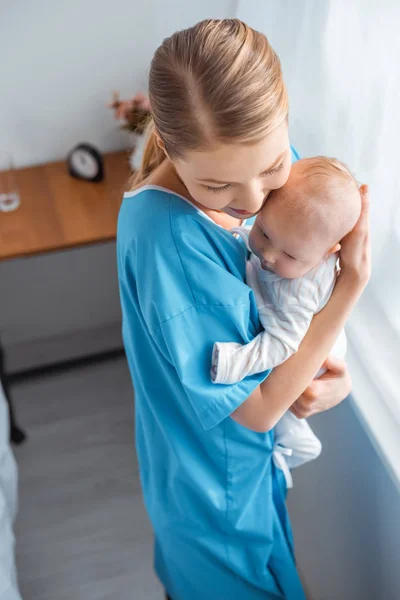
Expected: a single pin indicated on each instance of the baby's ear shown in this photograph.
(334, 249)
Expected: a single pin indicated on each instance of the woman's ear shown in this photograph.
(334, 249)
(160, 144)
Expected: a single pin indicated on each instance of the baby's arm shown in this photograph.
(285, 321)
(233, 362)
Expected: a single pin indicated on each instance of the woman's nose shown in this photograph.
(253, 199)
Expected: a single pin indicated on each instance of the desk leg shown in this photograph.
(17, 436)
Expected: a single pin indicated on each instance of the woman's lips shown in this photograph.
(241, 212)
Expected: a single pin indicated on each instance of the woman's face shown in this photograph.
(237, 178)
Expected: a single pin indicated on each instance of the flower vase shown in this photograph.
(138, 143)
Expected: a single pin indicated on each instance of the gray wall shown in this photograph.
(346, 515)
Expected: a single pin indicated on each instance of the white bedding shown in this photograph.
(8, 509)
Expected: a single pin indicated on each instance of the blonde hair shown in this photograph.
(320, 166)
(219, 81)
(326, 198)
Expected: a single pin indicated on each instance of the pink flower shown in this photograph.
(141, 102)
(124, 108)
(133, 112)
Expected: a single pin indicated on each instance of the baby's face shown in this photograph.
(287, 248)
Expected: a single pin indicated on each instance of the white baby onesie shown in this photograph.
(286, 308)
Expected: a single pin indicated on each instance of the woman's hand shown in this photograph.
(326, 392)
(355, 255)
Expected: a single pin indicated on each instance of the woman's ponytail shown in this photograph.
(153, 156)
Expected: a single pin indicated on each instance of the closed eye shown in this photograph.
(275, 169)
(215, 190)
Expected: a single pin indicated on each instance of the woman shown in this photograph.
(218, 145)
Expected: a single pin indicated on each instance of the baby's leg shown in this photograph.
(296, 435)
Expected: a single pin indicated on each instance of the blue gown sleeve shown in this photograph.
(189, 338)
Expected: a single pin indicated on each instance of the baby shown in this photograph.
(292, 269)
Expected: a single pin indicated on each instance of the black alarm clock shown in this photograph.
(85, 162)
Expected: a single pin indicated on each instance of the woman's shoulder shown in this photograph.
(180, 248)
(141, 209)
(150, 204)
(153, 214)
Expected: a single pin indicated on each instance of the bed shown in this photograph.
(8, 507)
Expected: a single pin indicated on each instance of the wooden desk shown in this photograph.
(58, 212)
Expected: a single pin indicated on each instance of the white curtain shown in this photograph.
(341, 66)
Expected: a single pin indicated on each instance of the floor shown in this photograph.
(82, 531)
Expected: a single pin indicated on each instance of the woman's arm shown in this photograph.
(267, 404)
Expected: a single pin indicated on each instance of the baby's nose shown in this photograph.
(270, 256)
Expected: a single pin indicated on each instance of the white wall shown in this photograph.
(60, 62)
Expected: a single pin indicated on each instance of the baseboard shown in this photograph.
(34, 354)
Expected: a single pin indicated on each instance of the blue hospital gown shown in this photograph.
(215, 499)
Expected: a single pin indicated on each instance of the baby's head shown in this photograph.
(304, 221)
